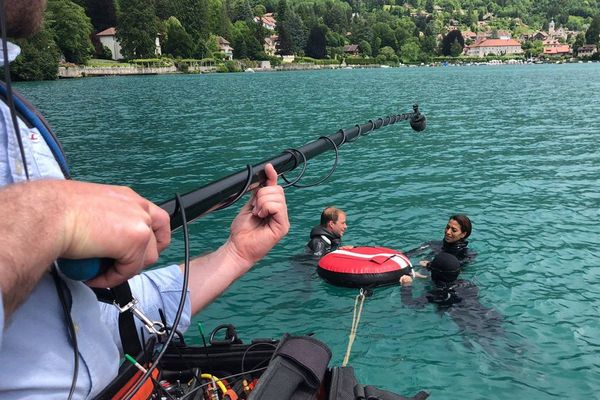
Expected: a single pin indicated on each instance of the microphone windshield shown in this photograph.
(418, 122)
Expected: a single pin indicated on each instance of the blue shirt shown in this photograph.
(36, 357)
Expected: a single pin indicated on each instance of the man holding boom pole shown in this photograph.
(45, 217)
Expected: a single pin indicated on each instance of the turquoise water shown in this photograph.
(514, 147)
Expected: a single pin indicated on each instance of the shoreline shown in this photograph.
(74, 72)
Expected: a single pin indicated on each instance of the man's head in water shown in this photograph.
(457, 228)
(445, 268)
(334, 220)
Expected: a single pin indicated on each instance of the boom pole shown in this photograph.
(220, 193)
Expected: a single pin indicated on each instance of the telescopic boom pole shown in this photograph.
(220, 193)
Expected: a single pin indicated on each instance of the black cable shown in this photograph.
(243, 191)
(60, 289)
(248, 350)
(186, 275)
(9, 92)
(357, 136)
(335, 162)
(293, 152)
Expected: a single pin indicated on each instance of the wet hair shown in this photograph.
(444, 268)
(330, 214)
(464, 222)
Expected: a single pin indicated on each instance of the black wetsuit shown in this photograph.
(460, 300)
(322, 241)
(459, 249)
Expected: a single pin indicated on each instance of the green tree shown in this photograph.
(579, 41)
(38, 59)
(178, 43)
(448, 42)
(284, 44)
(387, 54)
(282, 10)
(137, 28)
(294, 26)
(195, 16)
(386, 34)
(365, 48)
(72, 28)
(315, 45)
(405, 30)
(429, 6)
(592, 35)
(456, 48)
(337, 16)
(259, 10)
(102, 13)
(224, 25)
(410, 52)
(241, 11)
(533, 48)
(429, 45)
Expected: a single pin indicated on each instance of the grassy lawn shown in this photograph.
(95, 62)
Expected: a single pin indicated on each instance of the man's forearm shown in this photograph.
(213, 273)
(29, 229)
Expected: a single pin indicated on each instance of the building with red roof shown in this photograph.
(268, 21)
(484, 47)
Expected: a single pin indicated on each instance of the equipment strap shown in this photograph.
(122, 296)
(32, 117)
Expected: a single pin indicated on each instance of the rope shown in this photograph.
(355, 321)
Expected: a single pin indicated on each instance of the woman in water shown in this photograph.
(455, 242)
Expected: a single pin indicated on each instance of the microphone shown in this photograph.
(418, 121)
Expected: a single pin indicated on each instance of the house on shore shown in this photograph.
(553, 47)
(484, 47)
(270, 45)
(351, 50)
(225, 47)
(587, 50)
(268, 21)
(108, 38)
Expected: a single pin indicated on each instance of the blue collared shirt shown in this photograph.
(36, 357)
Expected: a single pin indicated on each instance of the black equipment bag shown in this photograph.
(297, 369)
(295, 372)
(343, 386)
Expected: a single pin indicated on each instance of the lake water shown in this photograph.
(514, 147)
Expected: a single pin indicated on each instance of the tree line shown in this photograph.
(386, 30)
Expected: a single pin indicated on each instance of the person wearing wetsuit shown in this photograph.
(458, 298)
(327, 236)
(455, 242)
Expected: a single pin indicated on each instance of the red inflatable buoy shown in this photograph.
(364, 266)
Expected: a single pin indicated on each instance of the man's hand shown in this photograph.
(261, 223)
(47, 219)
(114, 222)
(406, 280)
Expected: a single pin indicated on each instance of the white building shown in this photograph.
(484, 47)
(108, 38)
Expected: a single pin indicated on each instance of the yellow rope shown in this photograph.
(355, 321)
